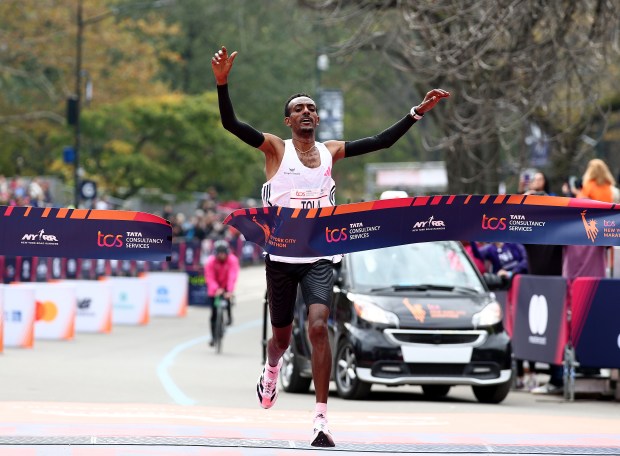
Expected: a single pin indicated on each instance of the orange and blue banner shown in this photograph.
(526, 219)
(83, 233)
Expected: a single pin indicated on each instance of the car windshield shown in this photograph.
(439, 265)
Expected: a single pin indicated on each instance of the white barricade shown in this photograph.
(168, 292)
(94, 306)
(56, 310)
(130, 300)
(19, 316)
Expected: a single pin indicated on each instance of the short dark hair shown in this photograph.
(287, 111)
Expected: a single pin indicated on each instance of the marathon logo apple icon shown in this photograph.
(538, 319)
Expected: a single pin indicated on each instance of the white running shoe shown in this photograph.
(267, 386)
(321, 436)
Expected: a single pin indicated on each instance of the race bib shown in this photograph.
(310, 199)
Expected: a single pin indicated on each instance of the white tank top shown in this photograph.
(295, 185)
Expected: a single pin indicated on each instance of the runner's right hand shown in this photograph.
(221, 63)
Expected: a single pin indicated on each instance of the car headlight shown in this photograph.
(489, 316)
(372, 313)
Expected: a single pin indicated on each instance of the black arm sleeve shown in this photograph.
(382, 140)
(243, 131)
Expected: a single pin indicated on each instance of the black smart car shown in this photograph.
(417, 314)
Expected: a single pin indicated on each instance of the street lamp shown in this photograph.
(74, 103)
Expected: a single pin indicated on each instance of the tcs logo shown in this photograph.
(336, 235)
(109, 240)
(493, 223)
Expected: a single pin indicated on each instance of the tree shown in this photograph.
(508, 64)
(173, 142)
(278, 45)
(37, 70)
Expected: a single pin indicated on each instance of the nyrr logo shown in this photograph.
(109, 240)
(39, 238)
(538, 317)
(430, 223)
(336, 235)
(493, 223)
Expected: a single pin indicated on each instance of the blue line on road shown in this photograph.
(177, 395)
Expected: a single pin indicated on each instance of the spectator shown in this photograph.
(167, 213)
(544, 260)
(506, 259)
(583, 260)
(598, 182)
(35, 193)
(537, 184)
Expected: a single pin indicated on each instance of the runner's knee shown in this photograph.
(317, 331)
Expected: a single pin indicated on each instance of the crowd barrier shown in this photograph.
(58, 309)
(19, 315)
(570, 323)
(94, 306)
(186, 256)
(55, 298)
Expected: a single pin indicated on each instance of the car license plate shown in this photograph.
(436, 354)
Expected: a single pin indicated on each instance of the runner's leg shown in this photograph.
(321, 351)
(281, 291)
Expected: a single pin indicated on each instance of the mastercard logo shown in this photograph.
(46, 311)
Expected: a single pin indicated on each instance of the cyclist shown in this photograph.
(221, 272)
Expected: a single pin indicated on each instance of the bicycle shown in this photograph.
(220, 306)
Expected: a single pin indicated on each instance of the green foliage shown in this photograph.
(135, 136)
(278, 44)
(174, 143)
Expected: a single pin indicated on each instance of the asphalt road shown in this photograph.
(163, 381)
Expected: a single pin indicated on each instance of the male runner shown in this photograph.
(298, 173)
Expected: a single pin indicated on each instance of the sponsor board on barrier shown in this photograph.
(130, 300)
(595, 317)
(540, 329)
(19, 316)
(55, 311)
(94, 306)
(168, 293)
(197, 288)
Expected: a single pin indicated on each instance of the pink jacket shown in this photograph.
(221, 275)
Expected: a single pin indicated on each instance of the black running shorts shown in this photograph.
(315, 280)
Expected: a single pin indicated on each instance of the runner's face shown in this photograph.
(304, 116)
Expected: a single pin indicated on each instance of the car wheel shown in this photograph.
(348, 385)
(436, 391)
(492, 394)
(290, 378)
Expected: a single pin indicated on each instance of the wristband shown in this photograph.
(415, 114)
